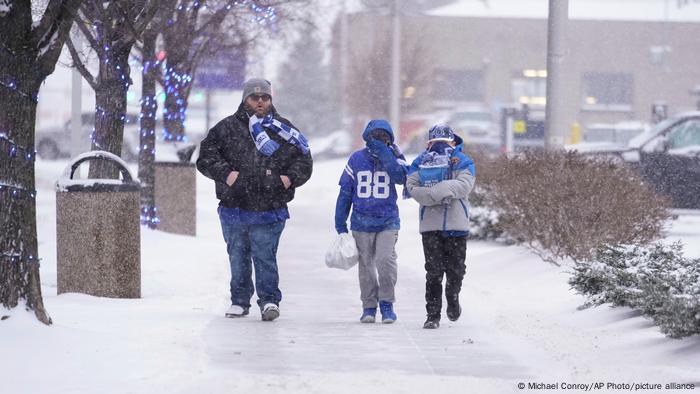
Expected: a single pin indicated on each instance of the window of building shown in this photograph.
(607, 91)
(459, 85)
(529, 86)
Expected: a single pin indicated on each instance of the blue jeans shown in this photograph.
(253, 245)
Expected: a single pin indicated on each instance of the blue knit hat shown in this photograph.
(441, 132)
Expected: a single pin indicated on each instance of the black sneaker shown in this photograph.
(432, 323)
(454, 310)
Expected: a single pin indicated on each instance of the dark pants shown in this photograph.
(248, 246)
(444, 256)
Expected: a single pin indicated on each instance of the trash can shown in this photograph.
(175, 190)
(98, 234)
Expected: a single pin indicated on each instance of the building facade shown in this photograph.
(614, 70)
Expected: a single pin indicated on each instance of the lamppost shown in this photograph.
(555, 124)
(396, 70)
(395, 77)
(343, 64)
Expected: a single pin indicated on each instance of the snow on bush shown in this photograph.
(656, 280)
(484, 221)
(484, 224)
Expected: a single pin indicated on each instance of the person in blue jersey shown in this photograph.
(257, 160)
(440, 180)
(368, 186)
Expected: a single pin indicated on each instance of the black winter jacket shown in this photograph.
(229, 147)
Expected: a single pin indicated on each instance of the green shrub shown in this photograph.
(656, 280)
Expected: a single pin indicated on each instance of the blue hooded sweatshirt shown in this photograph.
(368, 184)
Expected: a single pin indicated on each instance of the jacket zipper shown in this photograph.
(466, 211)
(444, 219)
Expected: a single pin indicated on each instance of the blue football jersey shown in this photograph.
(373, 193)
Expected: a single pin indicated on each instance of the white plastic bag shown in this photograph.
(343, 252)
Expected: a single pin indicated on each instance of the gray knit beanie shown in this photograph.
(256, 86)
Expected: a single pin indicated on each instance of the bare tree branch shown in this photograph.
(139, 25)
(82, 26)
(214, 20)
(146, 17)
(48, 21)
(51, 43)
(98, 13)
(78, 64)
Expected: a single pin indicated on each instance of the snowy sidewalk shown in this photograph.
(519, 324)
(319, 329)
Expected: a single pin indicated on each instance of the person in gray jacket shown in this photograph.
(440, 180)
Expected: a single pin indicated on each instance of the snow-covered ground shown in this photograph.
(520, 322)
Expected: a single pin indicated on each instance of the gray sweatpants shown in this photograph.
(377, 258)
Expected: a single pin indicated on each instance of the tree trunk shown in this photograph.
(19, 262)
(110, 110)
(147, 146)
(177, 91)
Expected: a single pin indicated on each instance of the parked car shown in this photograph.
(667, 156)
(334, 145)
(55, 143)
(476, 126)
(620, 132)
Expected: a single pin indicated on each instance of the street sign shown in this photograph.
(519, 127)
(225, 71)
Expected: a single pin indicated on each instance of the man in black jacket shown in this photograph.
(257, 160)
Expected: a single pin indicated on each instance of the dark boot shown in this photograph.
(455, 274)
(454, 310)
(432, 322)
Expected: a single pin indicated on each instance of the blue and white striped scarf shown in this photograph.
(435, 164)
(265, 144)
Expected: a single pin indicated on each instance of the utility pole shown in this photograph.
(555, 123)
(343, 65)
(395, 112)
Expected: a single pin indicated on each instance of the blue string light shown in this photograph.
(117, 68)
(149, 216)
(105, 58)
(14, 150)
(17, 192)
(120, 116)
(150, 104)
(174, 83)
(17, 257)
(11, 85)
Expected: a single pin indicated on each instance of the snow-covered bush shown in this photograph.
(484, 224)
(484, 218)
(657, 280)
(484, 221)
(565, 205)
